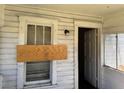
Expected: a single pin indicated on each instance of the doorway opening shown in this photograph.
(87, 58)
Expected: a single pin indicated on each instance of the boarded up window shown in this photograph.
(38, 35)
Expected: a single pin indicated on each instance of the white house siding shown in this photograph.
(113, 79)
(9, 39)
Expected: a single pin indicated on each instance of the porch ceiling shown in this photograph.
(91, 9)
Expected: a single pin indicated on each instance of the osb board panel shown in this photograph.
(121, 67)
(29, 53)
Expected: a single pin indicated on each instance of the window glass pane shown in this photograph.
(30, 34)
(47, 39)
(37, 71)
(121, 52)
(110, 50)
(47, 35)
(39, 35)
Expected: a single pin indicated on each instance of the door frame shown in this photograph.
(87, 24)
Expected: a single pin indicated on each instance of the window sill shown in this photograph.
(38, 82)
(40, 85)
(117, 70)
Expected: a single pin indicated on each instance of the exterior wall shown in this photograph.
(9, 35)
(113, 78)
(1, 15)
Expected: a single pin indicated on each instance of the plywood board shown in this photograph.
(29, 53)
(121, 67)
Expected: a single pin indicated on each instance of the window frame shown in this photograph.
(116, 33)
(38, 81)
(115, 50)
(24, 20)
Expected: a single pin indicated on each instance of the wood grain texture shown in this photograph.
(29, 53)
(121, 67)
(12, 20)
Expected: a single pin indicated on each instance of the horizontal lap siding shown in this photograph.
(66, 69)
(9, 40)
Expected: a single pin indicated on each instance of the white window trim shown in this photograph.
(22, 40)
(88, 24)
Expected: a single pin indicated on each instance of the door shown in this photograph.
(94, 66)
(90, 68)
